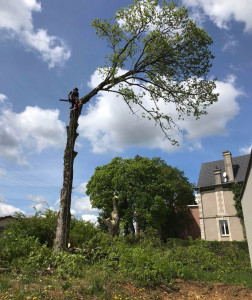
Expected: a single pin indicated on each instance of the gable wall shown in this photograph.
(247, 211)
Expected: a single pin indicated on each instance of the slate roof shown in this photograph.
(206, 176)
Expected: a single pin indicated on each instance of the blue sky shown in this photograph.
(48, 47)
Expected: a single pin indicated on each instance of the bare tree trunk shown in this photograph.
(64, 215)
(113, 223)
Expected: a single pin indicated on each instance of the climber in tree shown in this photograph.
(73, 97)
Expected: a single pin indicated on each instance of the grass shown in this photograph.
(93, 284)
(96, 283)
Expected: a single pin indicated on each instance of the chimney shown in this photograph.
(217, 175)
(228, 165)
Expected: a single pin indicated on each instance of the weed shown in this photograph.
(5, 284)
(66, 285)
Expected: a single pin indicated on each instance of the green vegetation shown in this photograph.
(104, 264)
(236, 189)
(158, 193)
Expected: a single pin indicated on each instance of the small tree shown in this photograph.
(156, 52)
(149, 192)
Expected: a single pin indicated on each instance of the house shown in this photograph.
(246, 200)
(217, 214)
(4, 222)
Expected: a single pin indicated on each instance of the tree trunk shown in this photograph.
(64, 215)
(113, 223)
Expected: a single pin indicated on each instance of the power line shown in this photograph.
(30, 182)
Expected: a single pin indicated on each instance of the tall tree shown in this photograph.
(149, 191)
(155, 52)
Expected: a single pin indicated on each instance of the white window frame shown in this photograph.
(225, 226)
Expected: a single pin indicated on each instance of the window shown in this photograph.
(224, 227)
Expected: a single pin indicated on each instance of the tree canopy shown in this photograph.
(149, 191)
(158, 58)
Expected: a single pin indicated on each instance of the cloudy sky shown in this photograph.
(48, 47)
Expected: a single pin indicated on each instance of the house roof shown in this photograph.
(6, 217)
(206, 176)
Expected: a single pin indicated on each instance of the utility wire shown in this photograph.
(30, 182)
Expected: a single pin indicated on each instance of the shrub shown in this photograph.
(41, 225)
(81, 232)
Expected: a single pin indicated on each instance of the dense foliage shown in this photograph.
(41, 226)
(149, 192)
(143, 258)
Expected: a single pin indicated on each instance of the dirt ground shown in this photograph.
(190, 290)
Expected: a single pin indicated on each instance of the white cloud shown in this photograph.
(81, 189)
(231, 44)
(16, 22)
(197, 16)
(119, 129)
(89, 217)
(2, 98)
(245, 150)
(222, 12)
(30, 131)
(73, 212)
(38, 202)
(37, 199)
(214, 123)
(83, 205)
(7, 209)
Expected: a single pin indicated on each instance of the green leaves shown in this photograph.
(167, 57)
(145, 189)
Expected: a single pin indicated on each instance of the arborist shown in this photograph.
(73, 98)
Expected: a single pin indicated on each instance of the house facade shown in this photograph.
(246, 200)
(217, 214)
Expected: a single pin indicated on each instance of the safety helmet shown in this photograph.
(76, 89)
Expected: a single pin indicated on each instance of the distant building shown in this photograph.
(4, 222)
(246, 200)
(217, 214)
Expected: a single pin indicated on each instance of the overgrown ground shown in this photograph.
(128, 267)
(96, 284)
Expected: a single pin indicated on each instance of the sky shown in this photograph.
(47, 48)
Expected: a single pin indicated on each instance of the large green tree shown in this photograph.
(149, 192)
(155, 52)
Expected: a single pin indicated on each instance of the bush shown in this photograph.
(16, 246)
(41, 225)
(81, 232)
